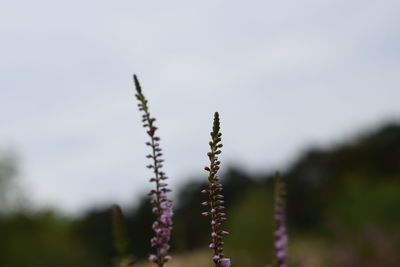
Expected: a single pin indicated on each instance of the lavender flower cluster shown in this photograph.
(280, 233)
(215, 198)
(162, 206)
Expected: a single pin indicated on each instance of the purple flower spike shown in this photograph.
(280, 233)
(162, 206)
(214, 199)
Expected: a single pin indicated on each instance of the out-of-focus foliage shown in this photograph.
(9, 195)
(42, 240)
(342, 210)
(124, 257)
(251, 223)
(321, 178)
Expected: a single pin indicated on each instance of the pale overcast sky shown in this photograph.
(284, 75)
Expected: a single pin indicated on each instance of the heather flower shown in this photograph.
(216, 214)
(162, 206)
(280, 233)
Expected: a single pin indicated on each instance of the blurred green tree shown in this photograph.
(12, 197)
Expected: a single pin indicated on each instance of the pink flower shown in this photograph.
(162, 206)
(225, 262)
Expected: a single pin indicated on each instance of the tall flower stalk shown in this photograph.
(215, 198)
(162, 206)
(280, 233)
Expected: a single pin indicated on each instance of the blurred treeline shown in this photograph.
(343, 209)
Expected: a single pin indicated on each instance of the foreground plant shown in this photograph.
(162, 206)
(280, 233)
(120, 241)
(215, 198)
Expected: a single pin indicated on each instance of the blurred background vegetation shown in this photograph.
(343, 209)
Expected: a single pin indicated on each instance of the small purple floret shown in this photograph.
(225, 262)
